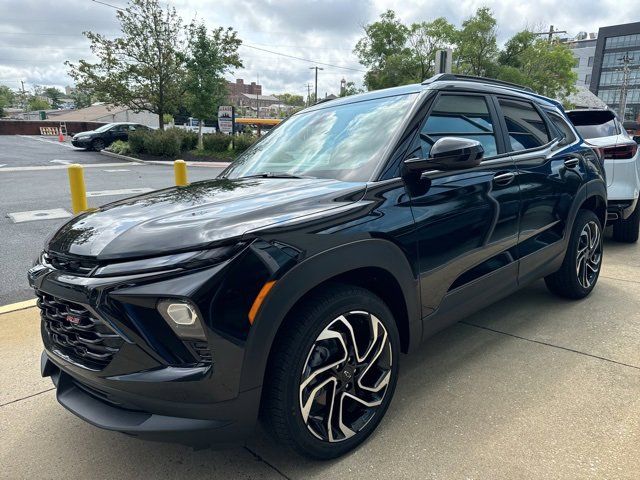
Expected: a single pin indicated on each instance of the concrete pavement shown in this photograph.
(533, 387)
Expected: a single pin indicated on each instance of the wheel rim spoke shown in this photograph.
(345, 376)
(589, 254)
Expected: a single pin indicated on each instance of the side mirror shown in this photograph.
(448, 153)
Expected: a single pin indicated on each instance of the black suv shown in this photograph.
(105, 135)
(287, 287)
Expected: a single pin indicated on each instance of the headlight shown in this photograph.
(182, 317)
(178, 260)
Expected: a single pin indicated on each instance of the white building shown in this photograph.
(583, 48)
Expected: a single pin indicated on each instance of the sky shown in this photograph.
(37, 36)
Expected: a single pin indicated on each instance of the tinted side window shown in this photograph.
(464, 116)
(525, 125)
(561, 125)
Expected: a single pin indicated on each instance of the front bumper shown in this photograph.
(84, 143)
(125, 412)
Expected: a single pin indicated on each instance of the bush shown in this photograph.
(188, 139)
(136, 141)
(162, 143)
(216, 142)
(242, 142)
(120, 147)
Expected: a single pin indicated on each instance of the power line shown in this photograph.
(108, 5)
(302, 59)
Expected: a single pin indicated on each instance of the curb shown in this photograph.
(166, 162)
(13, 307)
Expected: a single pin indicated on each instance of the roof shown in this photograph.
(90, 114)
(584, 98)
(269, 98)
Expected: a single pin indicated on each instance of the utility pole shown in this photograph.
(316, 89)
(257, 99)
(625, 60)
(23, 95)
(550, 33)
(308, 94)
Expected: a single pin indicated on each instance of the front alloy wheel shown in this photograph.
(332, 372)
(345, 376)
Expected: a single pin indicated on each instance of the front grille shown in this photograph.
(77, 334)
(70, 265)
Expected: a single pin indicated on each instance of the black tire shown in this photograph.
(576, 279)
(627, 231)
(97, 145)
(299, 344)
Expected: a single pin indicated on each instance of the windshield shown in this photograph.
(343, 142)
(104, 128)
(594, 123)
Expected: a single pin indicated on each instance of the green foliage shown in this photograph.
(242, 142)
(167, 118)
(36, 103)
(54, 95)
(396, 54)
(80, 98)
(291, 99)
(216, 142)
(188, 139)
(137, 140)
(162, 143)
(476, 42)
(7, 97)
(144, 68)
(350, 89)
(120, 147)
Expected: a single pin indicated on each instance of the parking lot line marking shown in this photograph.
(64, 167)
(61, 162)
(122, 191)
(3, 165)
(12, 307)
(33, 215)
(54, 142)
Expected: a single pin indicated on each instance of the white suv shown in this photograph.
(604, 131)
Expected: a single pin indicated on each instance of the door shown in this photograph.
(467, 220)
(550, 173)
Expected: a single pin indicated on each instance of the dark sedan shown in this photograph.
(104, 136)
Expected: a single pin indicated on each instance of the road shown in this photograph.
(33, 177)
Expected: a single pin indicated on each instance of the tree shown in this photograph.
(544, 66)
(7, 97)
(384, 51)
(210, 57)
(350, 89)
(426, 38)
(37, 103)
(476, 43)
(81, 99)
(54, 95)
(144, 68)
(291, 99)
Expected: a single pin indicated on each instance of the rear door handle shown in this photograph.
(571, 162)
(504, 178)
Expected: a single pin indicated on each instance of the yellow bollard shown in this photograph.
(180, 172)
(78, 190)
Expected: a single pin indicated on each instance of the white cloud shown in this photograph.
(36, 36)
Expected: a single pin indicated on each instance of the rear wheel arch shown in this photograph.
(598, 205)
(389, 273)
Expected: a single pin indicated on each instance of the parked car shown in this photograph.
(289, 285)
(104, 136)
(603, 130)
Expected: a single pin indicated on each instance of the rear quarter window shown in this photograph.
(526, 128)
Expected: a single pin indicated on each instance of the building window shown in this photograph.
(587, 79)
(590, 62)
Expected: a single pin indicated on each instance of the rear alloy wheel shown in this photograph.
(97, 144)
(333, 372)
(581, 266)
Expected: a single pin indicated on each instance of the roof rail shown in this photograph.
(441, 77)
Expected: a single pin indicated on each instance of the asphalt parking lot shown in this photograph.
(534, 387)
(33, 178)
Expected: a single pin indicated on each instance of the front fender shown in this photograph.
(310, 273)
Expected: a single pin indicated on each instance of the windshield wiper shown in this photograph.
(275, 175)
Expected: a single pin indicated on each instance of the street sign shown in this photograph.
(225, 118)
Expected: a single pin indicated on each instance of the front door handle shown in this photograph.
(504, 178)
(571, 162)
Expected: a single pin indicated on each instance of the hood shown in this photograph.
(197, 216)
(88, 132)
